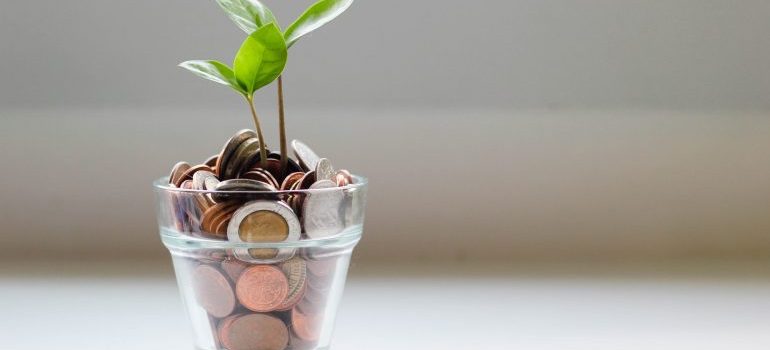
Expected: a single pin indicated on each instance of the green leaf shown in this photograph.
(249, 15)
(261, 58)
(215, 71)
(314, 17)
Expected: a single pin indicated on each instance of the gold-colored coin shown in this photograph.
(263, 226)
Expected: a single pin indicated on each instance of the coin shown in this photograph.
(203, 180)
(308, 159)
(343, 178)
(213, 217)
(321, 211)
(240, 185)
(273, 166)
(296, 272)
(306, 327)
(176, 173)
(262, 288)
(264, 221)
(291, 165)
(243, 185)
(229, 148)
(220, 225)
(260, 174)
(254, 332)
(245, 150)
(324, 170)
(188, 174)
(233, 267)
(200, 179)
(223, 330)
(290, 180)
(213, 291)
(307, 180)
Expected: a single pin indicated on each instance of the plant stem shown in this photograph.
(262, 147)
(282, 127)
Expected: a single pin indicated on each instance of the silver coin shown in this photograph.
(308, 159)
(200, 178)
(324, 170)
(295, 270)
(321, 211)
(210, 183)
(291, 221)
(200, 181)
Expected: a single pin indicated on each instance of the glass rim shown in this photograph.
(179, 240)
(162, 185)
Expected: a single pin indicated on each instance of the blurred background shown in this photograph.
(522, 143)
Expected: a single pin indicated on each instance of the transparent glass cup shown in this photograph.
(266, 270)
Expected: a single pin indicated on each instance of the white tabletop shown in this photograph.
(455, 307)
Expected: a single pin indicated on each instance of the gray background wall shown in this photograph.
(513, 54)
(491, 130)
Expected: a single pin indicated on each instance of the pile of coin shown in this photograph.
(258, 306)
(262, 298)
(245, 206)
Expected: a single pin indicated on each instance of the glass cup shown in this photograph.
(261, 270)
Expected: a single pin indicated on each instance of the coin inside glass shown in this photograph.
(263, 226)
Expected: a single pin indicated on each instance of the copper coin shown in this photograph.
(291, 165)
(212, 217)
(229, 148)
(222, 222)
(305, 326)
(255, 332)
(290, 180)
(177, 171)
(307, 180)
(296, 273)
(274, 167)
(343, 178)
(297, 199)
(260, 174)
(188, 174)
(224, 327)
(213, 291)
(262, 288)
(233, 267)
